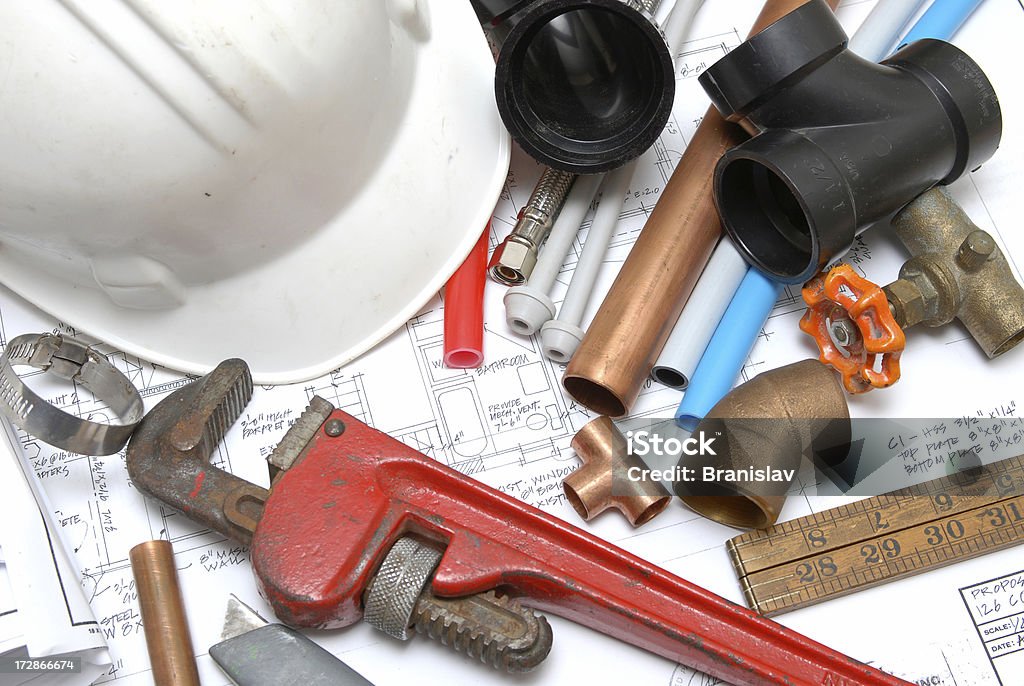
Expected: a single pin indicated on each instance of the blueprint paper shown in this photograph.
(997, 608)
(45, 594)
(10, 624)
(509, 425)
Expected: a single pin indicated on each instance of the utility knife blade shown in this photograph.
(255, 653)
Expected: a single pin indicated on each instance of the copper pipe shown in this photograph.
(770, 422)
(603, 482)
(163, 615)
(622, 344)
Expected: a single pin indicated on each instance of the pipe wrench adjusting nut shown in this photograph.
(392, 596)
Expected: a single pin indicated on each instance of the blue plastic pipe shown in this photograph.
(942, 20)
(729, 347)
(748, 311)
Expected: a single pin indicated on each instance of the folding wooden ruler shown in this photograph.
(869, 542)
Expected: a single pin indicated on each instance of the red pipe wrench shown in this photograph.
(348, 492)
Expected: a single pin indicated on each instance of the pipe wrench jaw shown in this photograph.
(170, 458)
(169, 455)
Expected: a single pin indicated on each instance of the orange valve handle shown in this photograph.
(870, 357)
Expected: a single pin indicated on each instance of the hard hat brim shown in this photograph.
(378, 262)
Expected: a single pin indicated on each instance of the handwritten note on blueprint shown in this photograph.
(509, 424)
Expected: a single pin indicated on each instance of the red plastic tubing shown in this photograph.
(464, 309)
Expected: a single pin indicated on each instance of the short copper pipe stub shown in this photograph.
(163, 614)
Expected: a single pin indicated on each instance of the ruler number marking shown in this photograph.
(873, 553)
(816, 538)
(824, 566)
(953, 529)
(879, 523)
(1012, 507)
(1005, 484)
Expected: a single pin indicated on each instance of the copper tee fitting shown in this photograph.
(603, 482)
(622, 344)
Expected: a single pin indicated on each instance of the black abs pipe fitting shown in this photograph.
(583, 86)
(840, 143)
(493, 12)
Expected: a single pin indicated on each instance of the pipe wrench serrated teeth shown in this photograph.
(299, 434)
(495, 630)
(492, 628)
(169, 454)
(218, 400)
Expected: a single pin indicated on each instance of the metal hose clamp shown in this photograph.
(72, 361)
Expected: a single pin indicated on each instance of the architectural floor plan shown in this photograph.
(509, 424)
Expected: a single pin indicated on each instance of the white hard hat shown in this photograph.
(286, 181)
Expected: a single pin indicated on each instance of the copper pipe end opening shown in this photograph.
(654, 507)
(593, 395)
(576, 501)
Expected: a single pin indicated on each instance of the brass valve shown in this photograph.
(956, 271)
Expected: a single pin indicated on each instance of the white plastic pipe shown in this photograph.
(560, 337)
(678, 24)
(882, 28)
(527, 307)
(699, 319)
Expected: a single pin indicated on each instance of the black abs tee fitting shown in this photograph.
(584, 86)
(840, 143)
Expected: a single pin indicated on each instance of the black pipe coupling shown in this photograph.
(840, 143)
(583, 86)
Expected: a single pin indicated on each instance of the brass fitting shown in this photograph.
(771, 421)
(602, 481)
(515, 257)
(957, 272)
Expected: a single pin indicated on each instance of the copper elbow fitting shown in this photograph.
(771, 421)
(602, 482)
(622, 344)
